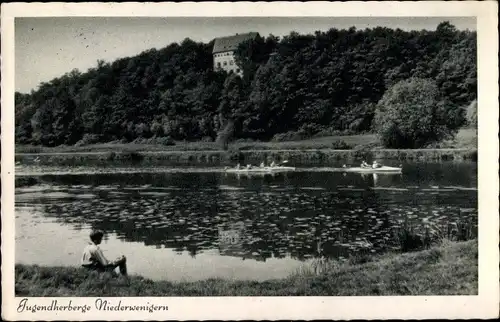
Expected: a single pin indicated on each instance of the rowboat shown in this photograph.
(261, 170)
(383, 169)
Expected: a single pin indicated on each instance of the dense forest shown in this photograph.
(293, 87)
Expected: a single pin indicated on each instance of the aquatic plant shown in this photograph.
(410, 236)
(461, 230)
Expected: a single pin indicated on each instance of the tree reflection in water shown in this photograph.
(258, 217)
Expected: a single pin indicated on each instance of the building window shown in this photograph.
(225, 63)
(218, 64)
(237, 70)
(231, 62)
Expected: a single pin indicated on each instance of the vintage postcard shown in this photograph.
(202, 161)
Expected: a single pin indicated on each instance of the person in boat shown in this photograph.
(376, 165)
(238, 166)
(94, 259)
(262, 164)
(364, 164)
(249, 166)
(273, 164)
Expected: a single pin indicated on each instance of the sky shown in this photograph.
(46, 48)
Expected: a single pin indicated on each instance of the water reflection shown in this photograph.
(295, 215)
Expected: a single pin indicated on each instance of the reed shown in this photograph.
(411, 236)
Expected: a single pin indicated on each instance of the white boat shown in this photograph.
(383, 169)
(260, 170)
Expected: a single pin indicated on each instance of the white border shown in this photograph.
(482, 306)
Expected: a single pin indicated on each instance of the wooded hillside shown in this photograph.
(293, 87)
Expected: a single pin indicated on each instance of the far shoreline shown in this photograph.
(323, 149)
(220, 157)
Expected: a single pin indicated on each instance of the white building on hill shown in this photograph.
(224, 48)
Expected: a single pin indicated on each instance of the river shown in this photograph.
(196, 223)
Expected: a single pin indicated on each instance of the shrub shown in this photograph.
(207, 139)
(331, 131)
(110, 156)
(25, 181)
(235, 155)
(288, 136)
(155, 140)
(472, 114)
(308, 130)
(244, 140)
(89, 139)
(165, 141)
(133, 156)
(340, 145)
(410, 237)
(412, 114)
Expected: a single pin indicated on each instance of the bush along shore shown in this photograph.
(448, 268)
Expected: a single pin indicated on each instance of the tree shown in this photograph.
(412, 114)
(472, 114)
(232, 103)
(327, 81)
(226, 134)
(457, 77)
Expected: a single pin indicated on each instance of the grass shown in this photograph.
(466, 138)
(449, 268)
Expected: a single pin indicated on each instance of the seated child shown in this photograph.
(94, 259)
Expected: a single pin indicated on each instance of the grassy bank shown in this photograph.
(447, 269)
(329, 142)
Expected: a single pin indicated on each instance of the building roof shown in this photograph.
(230, 43)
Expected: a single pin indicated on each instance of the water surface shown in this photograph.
(197, 223)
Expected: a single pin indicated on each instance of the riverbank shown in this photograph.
(318, 150)
(230, 158)
(447, 269)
